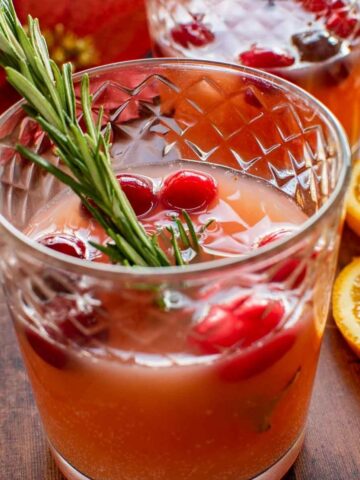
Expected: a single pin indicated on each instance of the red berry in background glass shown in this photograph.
(67, 244)
(188, 190)
(337, 5)
(316, 6)
(192, 34)
(342, 24)
(259, 57)
(139, 192)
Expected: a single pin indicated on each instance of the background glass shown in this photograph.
(152, 406)
(222, 29)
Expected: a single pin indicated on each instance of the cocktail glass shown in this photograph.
(316, 43)
(121, 389)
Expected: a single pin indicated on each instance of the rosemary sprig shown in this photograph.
(189, 239)
(50, 97)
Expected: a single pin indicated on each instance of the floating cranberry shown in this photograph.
(188, 190)
(139, 192)
(67, 244)
(244, 365)
(342, 24)
(66, 323)
(192, 34)
(286, 270)
(287, 267)
(249, 320)
(241, 322)
(337, 5)
(316, 45)
(316, 6)
(265, 58)
(47, 346)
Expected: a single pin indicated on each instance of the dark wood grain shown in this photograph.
(332, 445)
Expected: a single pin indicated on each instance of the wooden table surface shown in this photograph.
(332, 445)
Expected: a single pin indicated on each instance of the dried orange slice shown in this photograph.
(353, 200)
(346, 304)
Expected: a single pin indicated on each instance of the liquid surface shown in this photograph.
(243, 212)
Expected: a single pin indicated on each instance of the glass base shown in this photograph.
(275, 472)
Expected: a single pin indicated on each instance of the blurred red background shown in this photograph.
(87, 32)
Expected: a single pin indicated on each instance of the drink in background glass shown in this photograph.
(313, 43)
(196, 372)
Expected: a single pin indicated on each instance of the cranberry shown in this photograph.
(341, 24)
(316, 45)
(336, 73)
(192, 34)
(247, 321)
(337, 5)
(47, 346)
(265, 58)
(288, 266)
(139, 192)
(316, 6)
(241, 366)
(287, 269)
(84, 210)
(66, 323)
(188, 190)
(67, 244)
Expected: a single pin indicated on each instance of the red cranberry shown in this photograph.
(288, 266)
(265, 58)
(287, 269)
(241, 366)
(341, 24)
(84, 210)
(192, 34)
(316, 6)
(66, 323)
(67, 244)
(188, 190)
(139, 192)
(248, 321)
(75, 324)
(337, 5)
(47, 346)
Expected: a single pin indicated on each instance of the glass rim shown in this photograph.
(213, 266)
